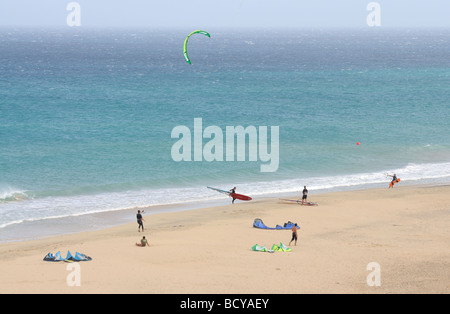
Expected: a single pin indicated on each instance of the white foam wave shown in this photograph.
(59, 207)
(35, 209)
(410, 174)
(11, 194)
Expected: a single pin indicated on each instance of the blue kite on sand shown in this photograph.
(258, 223)
(50, 257)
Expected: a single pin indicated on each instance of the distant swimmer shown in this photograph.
(140, 221)
(305, 195)
(233, 191)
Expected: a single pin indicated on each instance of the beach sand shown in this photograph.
(405, 230)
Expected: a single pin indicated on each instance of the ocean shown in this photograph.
(86, 116)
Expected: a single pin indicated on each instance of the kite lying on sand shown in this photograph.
(50, 257)
(275, 248)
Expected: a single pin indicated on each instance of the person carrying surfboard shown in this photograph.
(233, 191)
(394, 180)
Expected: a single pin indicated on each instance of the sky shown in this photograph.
(225, 13)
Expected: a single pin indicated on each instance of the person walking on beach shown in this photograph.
(143, 243)
(394, 179)
(233, 191)
(305, 195)
(140, 221)
(294, 235)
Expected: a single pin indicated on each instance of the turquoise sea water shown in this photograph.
(86, 115)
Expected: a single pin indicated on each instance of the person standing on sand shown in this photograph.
(294, 235)
(305, 195)
(139, 221)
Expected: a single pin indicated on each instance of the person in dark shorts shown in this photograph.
(232, 191)
(294, 235)
(394, 180)
(305, 195)
(140, 221)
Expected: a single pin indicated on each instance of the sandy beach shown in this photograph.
(405, 230)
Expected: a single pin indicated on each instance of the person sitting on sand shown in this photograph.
(294, 235)
(143, 243)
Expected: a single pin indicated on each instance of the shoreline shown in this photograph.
(208, 250)
(95, 221)
(74, 224)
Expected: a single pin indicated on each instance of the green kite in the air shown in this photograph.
(186, 41)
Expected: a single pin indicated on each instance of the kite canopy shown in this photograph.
(258, 223)
(50, 257)
(186, 56)
(258, 248)
(281, 248)
(275, 248)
